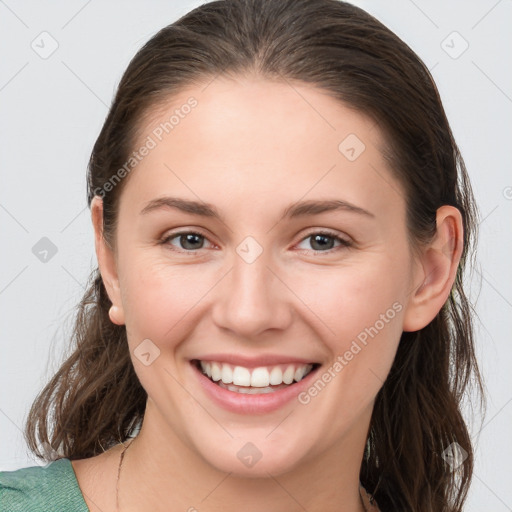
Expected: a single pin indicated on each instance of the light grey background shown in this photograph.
(52, 109)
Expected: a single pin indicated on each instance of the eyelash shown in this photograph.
(344, 244)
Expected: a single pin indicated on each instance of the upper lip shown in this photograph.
(254, 362)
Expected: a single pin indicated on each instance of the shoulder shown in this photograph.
(41, 488)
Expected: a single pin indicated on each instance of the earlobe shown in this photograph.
(106, 263)
(436, 270)
(116, 315)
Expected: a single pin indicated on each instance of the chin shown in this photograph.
(256, 459)
(260, 469)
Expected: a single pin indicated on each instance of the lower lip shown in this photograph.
(252, 404)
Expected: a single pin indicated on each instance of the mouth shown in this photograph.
(254, 381)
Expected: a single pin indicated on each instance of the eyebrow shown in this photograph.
(298, 209)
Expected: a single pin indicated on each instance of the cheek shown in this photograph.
(159, 298)
(360, 311)
(349, 300)
(363, 311)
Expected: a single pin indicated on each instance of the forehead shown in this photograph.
(260, 140)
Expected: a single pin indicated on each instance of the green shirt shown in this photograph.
(52, 488)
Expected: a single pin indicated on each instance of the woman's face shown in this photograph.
(300, 258)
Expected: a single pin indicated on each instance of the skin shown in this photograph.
(252, 147)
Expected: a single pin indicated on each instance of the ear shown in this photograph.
(436, 270)
(107, 263)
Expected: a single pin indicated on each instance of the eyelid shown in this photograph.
(327, 232)
(165, 239)
(344, 242)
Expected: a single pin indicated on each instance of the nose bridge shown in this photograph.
(252, 299)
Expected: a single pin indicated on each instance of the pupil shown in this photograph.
(321, 240)
(189, 239)
(318, 238)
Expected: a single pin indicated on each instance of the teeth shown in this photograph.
(227, 374)
(299, 373)
(247, 390)
(276, 376)
(288, 374)
(207, 368)
(261, 377)
(216, 373)
(241, 376)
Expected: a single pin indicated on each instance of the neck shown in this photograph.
(170, 472)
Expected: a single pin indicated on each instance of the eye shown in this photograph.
(323, 241)
(189, 241)
(192, 241)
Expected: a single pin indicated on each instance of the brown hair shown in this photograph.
(96, 398)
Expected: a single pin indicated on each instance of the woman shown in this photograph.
(277, 322)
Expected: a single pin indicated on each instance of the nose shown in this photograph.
(252, 298)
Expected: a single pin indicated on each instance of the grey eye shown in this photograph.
(187, 241)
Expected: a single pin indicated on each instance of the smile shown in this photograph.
(236, 380)
(242, 379)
